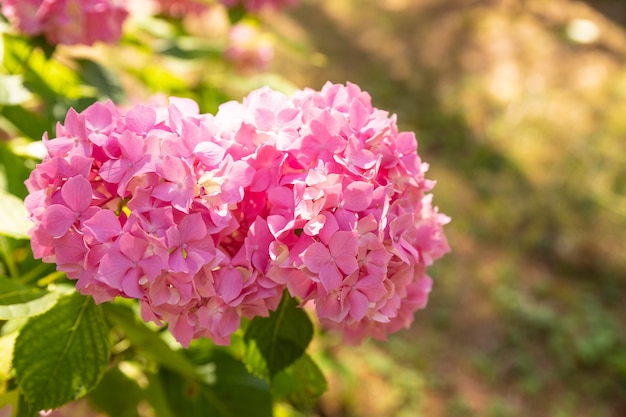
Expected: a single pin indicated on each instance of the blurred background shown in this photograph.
(520, 108)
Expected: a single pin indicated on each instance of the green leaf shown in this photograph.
(234, 392)
(61, 355)
(156, 396)
(188, 48)
(24, 409)
(14, 217)
(29, 123)
(46, 47)
(274, 342)
(117, 394)
(6, 353)
(18, 301)
(12, 90)
(102, 78)
(300, 384)
(147, 341)
(14, 169)
(50, 79)
(235, 14)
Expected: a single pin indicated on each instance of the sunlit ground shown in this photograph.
(520, 108)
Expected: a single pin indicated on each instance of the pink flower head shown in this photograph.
(180, 8)
(68, 21)
(207, 219)
(248, 48)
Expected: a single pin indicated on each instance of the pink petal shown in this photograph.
(313, 226)
(57, 220)
(70, 248)
(77, 193)
(192, 227)
(265, 119)
(230, 284)
(113, 268)
(330, 227)
(113, 170)
(359, 304)
(330, 277)
(133, 146)
(103, 226)
(372, 287)
(174, 169)
(140, 119)
(98, 117)
(331, 307)
(209, 153)
(159, 292)
(316, 257)
(347, 263)
(358, 196)
(182, 330)
(359, 115)
(344, 243)
(130, 284)
(229, 323)
(188, 106)
(134, 248)
(177, 261)
(151, 267)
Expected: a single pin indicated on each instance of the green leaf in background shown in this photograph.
(14, 217)
(234, 392)
(61, 355)
(30, 124)
(274, 342)
(102, 78)
(46, 47)
(156, 396)
(15, 169)
(18, 301)
(50, 79)
(117, 394)
(300, 384)
(147, 341)
(235, 14)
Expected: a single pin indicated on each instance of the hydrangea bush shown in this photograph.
(230, 229)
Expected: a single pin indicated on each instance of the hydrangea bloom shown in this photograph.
(206, 219)
(181, 8)
(248, 49)
(68, 21)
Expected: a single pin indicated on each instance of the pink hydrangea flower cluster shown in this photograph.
(206, 219)
(249, 50)
(180, 8)
(68, 21)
